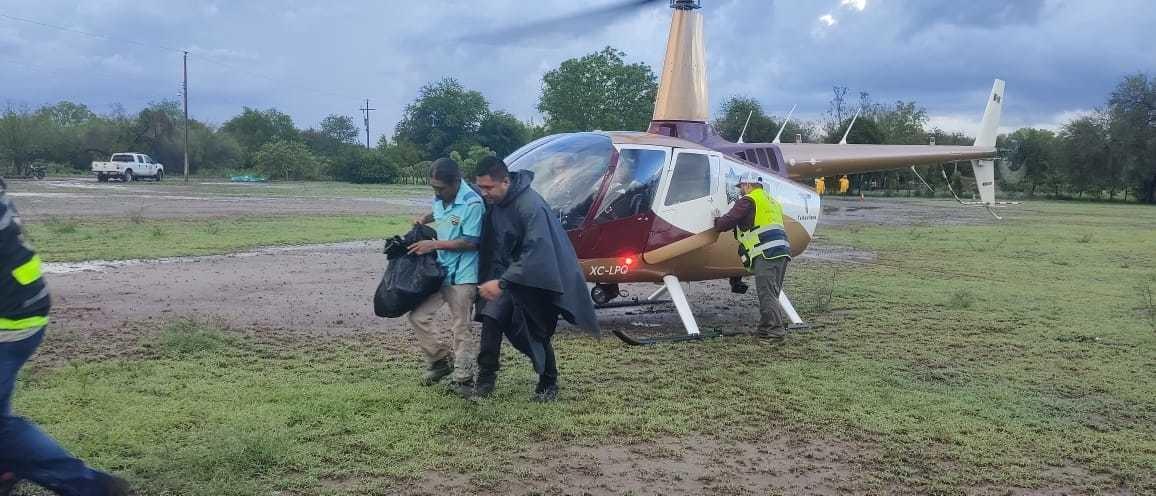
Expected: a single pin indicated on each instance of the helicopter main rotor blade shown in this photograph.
(581, 22)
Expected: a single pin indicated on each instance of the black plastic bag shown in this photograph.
(409, 279)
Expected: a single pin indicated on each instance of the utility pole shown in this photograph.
(366, 111)
(185, 94)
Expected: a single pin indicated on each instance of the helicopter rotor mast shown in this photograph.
(682, 91)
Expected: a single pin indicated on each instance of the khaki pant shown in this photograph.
(769, 283)
(462, 336)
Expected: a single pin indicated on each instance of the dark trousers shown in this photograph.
(769, 283)
(539, 349)
(25, 450)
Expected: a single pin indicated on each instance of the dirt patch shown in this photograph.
(321, 290)
(838, 211)
(324, 288)
(778, 464)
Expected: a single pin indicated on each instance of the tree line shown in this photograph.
(597, 91)
(1110, 153)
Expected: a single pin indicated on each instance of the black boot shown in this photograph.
(545, 392)
(436, 372)
(738, 286)
(115, 486)
(480, 388)
(483, 389)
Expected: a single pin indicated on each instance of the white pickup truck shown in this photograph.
(127, 167)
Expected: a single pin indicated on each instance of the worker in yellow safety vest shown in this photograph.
(26, 452)
(844, 185)
(757, 220)
(820, 186)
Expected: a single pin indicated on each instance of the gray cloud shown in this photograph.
(311, 59)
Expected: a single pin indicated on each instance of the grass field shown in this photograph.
(70, 239)
(964, 359)
(301, 189)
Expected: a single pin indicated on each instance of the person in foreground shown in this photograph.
(758, 223)
(26, 452)
(457, 215)
(531, 276)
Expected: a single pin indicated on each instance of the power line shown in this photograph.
(93, 72)
(94, 35)
(271, 79)
(366, 111)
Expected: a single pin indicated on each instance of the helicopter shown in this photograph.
(639, 206)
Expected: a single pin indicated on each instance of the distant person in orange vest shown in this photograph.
(844, 185)
(820, 186)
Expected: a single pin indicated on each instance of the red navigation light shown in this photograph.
(628, 261)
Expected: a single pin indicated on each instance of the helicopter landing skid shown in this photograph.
(678, 297)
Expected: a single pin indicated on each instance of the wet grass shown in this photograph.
(966, 371)
(222, 187)
(61, 227)
(71, 240)
(300, 189)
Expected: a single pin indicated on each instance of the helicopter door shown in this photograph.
(688, 196)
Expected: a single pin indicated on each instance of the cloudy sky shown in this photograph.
(312, 58)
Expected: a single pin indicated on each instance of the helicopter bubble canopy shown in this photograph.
(568, 172)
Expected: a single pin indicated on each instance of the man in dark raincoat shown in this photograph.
(531, 276)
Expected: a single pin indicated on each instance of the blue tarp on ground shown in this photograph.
(248, 179)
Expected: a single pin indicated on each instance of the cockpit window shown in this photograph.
(631, 189)
(690, 180)
(568, 172)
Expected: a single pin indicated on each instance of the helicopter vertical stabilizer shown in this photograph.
(989, 126)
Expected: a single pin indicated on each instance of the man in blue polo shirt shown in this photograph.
(457, 216)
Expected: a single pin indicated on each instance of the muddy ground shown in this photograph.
(327, 289)
(314, 289)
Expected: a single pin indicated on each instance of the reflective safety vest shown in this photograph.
(24, 300)
(767, 237)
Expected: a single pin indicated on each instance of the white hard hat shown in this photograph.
(750, 178)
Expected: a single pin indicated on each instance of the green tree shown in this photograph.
(67, 122)
(1084, 158)
(23, 136)
(287, 160)
(340, 128)
(735, 111)
(157, 133)
(444, 115)
(1132, 131)
(212, 149)
(402, 153)
(598, 91)
(762, 127)
(111, 133)
(1032, 149)
(253, 129)
(865, 132)
(469, 161)
(65, 114)
(900, 124)
(503, 133)
(362, 165)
